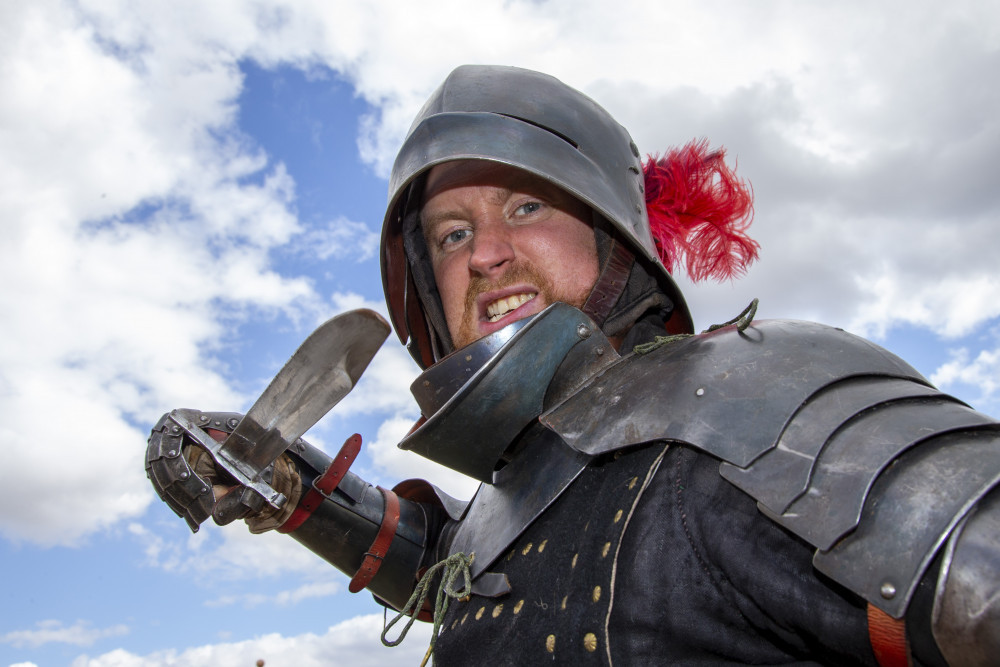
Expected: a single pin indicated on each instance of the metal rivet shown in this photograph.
(233, 422)
(888, 591)
(583, 331)
(203, 418)
(204, 489)
(184, 475)
(218, 423)
(700, 391)
(599, 351)
(590, 642)
(172, 452)
(176, 429)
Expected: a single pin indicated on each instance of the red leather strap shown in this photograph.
(378, 549)
(611, 283)
(324, 484)
(888, 638)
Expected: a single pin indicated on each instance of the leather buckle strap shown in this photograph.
(376, 552)
(888, 638)
(325, 484)
(611, 283)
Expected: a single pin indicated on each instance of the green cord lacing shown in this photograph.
(453, 566)
(742, 321)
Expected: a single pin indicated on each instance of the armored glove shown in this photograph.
(188, 481)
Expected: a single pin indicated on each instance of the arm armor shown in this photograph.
(837, 440)
(354, 526)
(347, 523)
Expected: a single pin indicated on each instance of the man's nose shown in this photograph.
(492, 248)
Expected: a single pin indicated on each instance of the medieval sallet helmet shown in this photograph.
(527, 120)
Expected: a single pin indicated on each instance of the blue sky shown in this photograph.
(189, 189)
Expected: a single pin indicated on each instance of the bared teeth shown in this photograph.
(501, 307)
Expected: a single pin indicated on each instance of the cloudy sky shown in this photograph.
(187, 189)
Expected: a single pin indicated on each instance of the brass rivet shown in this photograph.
(573, 564)
(479, 614)
(517, 607)
(465, 617)
(631, 484)
(526, 550)
(497, 610)
(454, 624)
(550, 643)
(597, 593)
(541, 547)
(590, 642)
(562, 605)
(604, 551)
(618, 516)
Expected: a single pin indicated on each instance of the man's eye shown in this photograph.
(457, 236)
(529, 208)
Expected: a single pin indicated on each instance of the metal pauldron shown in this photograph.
(838, 440)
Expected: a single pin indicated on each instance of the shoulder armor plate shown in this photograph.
(837, 440)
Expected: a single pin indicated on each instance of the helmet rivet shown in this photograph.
(172, 452)
(233, 422)
(700, 391)
(583, 331)
(888, 591)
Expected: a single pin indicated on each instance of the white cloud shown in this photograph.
(354, 642)
(981, 372)
(398, 464)
(858, 137)
(52, 631)
(283, 598)
(339, 239)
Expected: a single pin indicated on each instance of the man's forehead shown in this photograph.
(461, 173)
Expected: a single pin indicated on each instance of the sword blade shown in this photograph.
(318, 375)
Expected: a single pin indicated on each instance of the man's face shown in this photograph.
(504, 245)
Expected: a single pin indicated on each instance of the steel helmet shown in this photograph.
(534, 122)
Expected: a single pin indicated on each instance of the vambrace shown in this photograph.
(372, 534)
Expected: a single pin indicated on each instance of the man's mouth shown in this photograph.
(501, 307)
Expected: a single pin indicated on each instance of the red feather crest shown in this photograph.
(699, 212)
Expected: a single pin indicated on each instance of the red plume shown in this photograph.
(699, 210)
